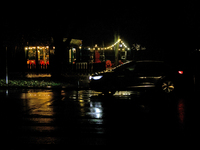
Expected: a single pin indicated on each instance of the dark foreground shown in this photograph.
(39, 117)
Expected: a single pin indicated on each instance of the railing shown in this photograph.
(81, 66)
(85, 67)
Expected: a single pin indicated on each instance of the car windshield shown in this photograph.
(129, 65)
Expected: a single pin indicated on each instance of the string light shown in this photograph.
(111, 47)
(38, 47)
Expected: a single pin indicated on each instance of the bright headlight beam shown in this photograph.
(97, 77)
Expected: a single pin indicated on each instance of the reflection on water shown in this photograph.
(88, 111)
(38, 102)
(123, 93)
(7, 92)
(96, 110)
(41, 120)
(83, 95)
(181, 112)
(37, 107)
(87, 107)
(91, 112)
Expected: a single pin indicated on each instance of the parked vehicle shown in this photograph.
(140, 74)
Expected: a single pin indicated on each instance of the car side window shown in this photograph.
(149, 68)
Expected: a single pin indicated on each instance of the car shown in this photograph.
(140, 74)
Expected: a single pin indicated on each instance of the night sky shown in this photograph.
(164, 25)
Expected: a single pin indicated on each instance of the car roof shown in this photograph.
(139, 61)
(155, 61)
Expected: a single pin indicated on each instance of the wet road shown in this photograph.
(87, 118)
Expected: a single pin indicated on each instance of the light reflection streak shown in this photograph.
(38, 102)
(123, 93)
(87, 107)
(181, 112)
(96, 110)
(7, 92)
(41, 120)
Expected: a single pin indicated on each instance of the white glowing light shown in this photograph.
(97, 77)
(90, 77)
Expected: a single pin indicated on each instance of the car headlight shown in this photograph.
(95, 77)
(90, 77)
